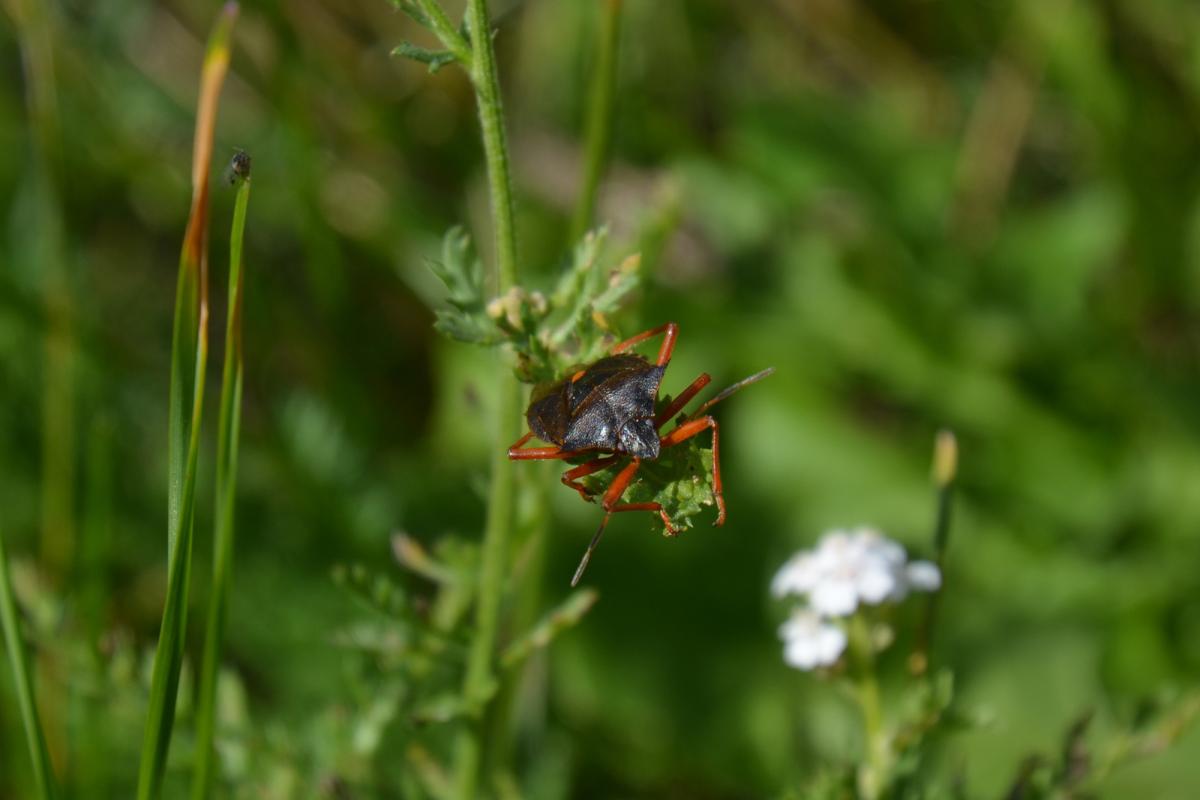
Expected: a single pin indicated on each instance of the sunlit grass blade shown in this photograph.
(189, 354)
(228, 429)
(43, 776)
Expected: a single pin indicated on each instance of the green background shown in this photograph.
(981, 216)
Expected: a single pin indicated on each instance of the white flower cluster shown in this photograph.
(845, 570)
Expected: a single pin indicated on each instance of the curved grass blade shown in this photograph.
(42, 773)
(228, 430)
(189, 355)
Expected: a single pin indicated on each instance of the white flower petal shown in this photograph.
(811, 642)
(797, 576)
(800, 653)
(831, 641)
(876, 583)
(849, 567)
(923, 576)
(837, 596)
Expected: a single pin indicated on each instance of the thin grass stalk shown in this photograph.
(480, 672)
(189, 355)
(599, 123)
(43, 775)
(228, 430)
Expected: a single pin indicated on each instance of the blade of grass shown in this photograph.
(228, 429)
(42, 774)
(189, 354)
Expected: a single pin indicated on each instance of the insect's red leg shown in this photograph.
(571, 476)
(515, 453)
(684, 398)
(612, 496)
(670, 331)
(686, 431)
(610, 502)
(519, 443)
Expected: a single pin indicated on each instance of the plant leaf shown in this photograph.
(434, 59)
(189, 352)
(466, 320)
(410, 9)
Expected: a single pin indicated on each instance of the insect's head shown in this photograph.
(639, 438)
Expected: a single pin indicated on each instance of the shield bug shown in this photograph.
(609, 409)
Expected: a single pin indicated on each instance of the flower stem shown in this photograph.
(872, 775)
(495, 145)
(599, 116)
(480, 674)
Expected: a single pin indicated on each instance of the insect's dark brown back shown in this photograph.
(593, 379)
(587, 410)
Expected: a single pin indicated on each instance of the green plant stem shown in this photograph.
(495, 145)
(480, 677)
(228, 429)
(598, 130)
(42, 774)
(872, 776)
(523, 690)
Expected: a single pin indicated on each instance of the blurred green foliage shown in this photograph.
(978, 216)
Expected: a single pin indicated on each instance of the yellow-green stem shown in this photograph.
(495, 144)
(525, 688)
(495, 556)
(872, 775)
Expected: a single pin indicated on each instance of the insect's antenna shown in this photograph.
(587, 554)
(742, 384)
